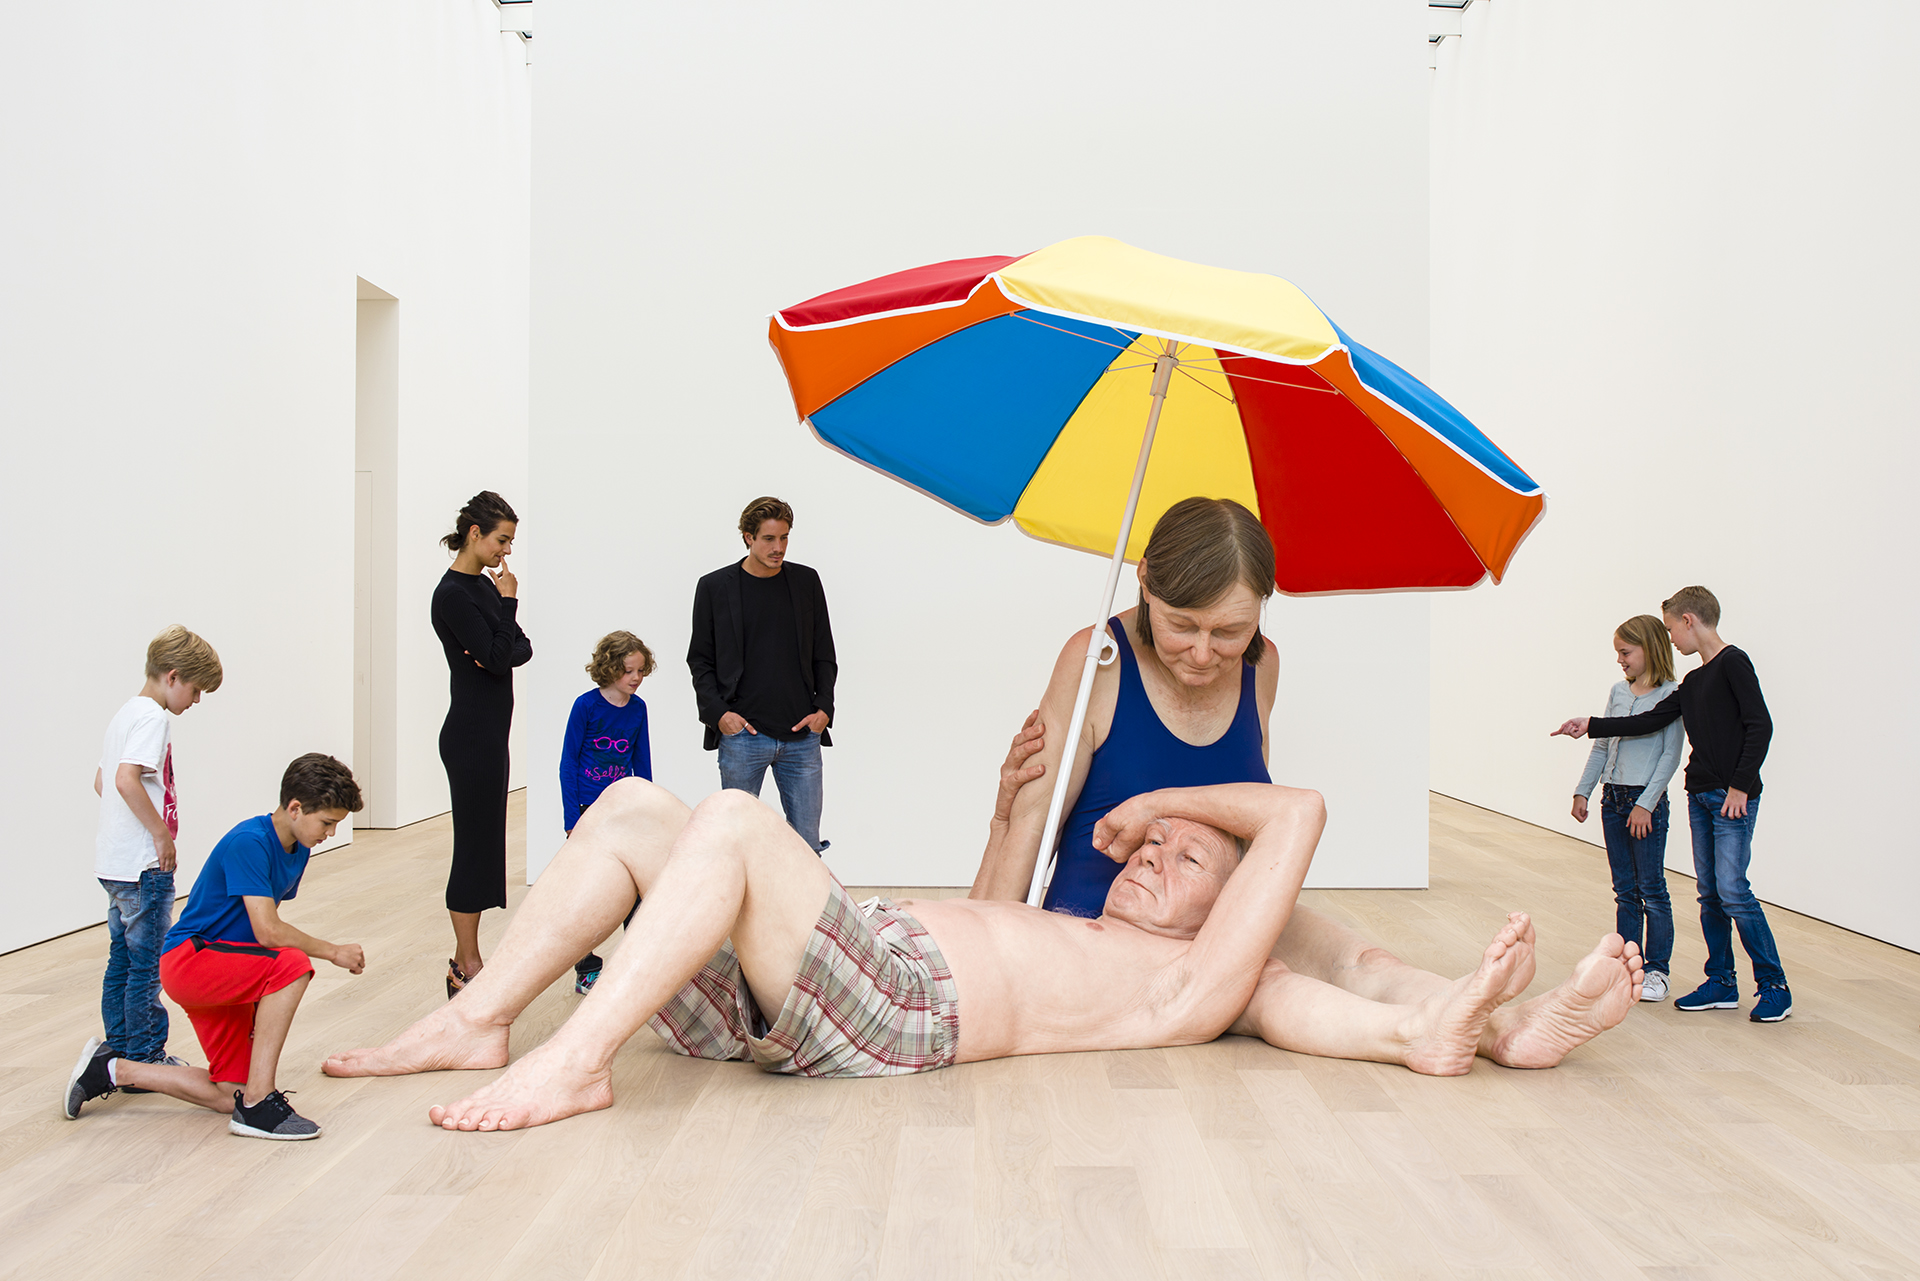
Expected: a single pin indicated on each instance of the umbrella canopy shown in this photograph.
(1016, 388)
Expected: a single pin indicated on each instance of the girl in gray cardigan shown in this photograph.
(1634, 773)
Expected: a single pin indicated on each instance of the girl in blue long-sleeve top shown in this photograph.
(606, 741)
(1634, 773)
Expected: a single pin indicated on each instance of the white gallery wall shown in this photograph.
(1674, 268)
(697, 167)
(192, 198)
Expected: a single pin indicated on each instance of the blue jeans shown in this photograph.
(139, 914)
(1639, 875)
(1722, 848)
(744, 758)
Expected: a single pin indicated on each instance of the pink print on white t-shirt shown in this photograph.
(170, 805)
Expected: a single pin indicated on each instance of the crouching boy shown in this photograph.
(236, 968)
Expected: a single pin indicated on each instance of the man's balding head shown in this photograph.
(1170, 883)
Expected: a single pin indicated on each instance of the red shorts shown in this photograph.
(218, 984)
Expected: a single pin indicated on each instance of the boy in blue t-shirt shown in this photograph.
(237, 969)
(606, 741)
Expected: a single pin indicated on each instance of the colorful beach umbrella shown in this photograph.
(1072, 389)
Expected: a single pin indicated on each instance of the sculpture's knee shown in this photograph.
(733, 810)
(634, 798)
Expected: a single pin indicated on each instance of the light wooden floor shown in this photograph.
(1690, 1146)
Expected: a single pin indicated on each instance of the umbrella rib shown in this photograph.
(1021, 315)
(1182, 370)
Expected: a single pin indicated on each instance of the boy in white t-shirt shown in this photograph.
(133, 851)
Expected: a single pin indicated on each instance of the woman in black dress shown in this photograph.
(473, 615)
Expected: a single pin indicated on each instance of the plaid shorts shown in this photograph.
(873, 997)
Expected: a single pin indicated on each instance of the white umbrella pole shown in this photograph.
(1043, 861)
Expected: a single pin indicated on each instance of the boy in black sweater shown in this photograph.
(1728, 726)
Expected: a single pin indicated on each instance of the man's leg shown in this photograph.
(744, 758)
(1438, 1036)
(1535, 1033)
(797, 773)
(619, 845)
(735, 871)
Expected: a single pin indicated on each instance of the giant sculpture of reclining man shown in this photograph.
(746, 947)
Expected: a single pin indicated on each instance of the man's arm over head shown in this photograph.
(1282, 827)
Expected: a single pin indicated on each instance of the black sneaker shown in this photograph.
(271, 1118)
(89, 1079)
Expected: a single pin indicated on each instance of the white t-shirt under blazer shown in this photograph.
(140, 734)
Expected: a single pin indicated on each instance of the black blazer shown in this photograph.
(715, 654)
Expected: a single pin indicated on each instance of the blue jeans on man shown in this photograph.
(139, 914)
(1722, 848)
(745, 758)
(1643, 912)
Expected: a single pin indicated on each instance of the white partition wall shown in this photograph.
(196, 201)
(1674, 271)
(697, 167)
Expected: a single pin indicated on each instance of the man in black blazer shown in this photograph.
(763, 668)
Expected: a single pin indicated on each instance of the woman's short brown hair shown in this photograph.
(761, 510)
(187, 656)
(1650, 634)
(610, 655)
(319, 782)
(1199, 549)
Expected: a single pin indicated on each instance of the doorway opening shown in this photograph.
(376, 456)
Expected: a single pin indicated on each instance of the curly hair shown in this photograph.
(610, 654)
(319, 782)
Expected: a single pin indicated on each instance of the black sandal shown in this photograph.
(456, 979)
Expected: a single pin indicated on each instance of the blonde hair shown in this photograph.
(609, 662)
(188, 657)
(1698, 601)
(1650, 634)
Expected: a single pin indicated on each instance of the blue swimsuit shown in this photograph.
(1139, 755)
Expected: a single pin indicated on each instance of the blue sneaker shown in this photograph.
(1775, 1004)
(583, 983)
(1711, 995)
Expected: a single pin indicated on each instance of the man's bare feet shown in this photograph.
(1523, 972)
(1603, 987)
(542, 1087)
(1443, 1034)
(444, 1040)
